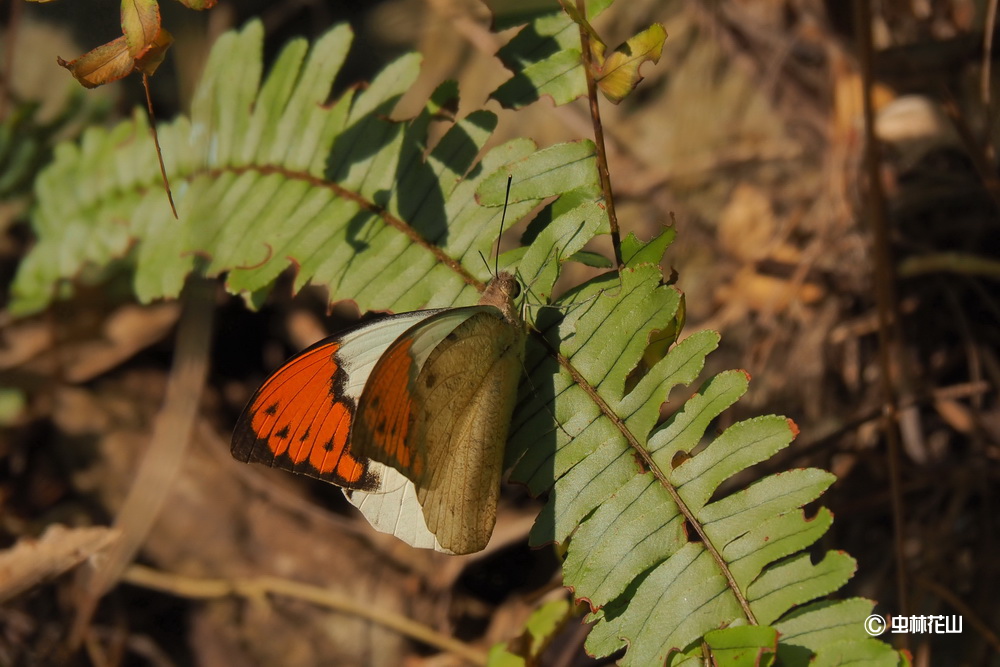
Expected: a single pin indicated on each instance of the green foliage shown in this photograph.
(26, 142)
(539, 630)
(12, 404)
(750, 645)
(268, 175)
(546, 57)
(628, 505)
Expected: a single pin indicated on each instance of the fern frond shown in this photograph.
(658, 558)
(545, 59)
(269, 176)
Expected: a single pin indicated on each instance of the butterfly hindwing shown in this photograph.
(395, 509)
(437, 407)
(464, 442)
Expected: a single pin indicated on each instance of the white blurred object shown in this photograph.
(914, 126)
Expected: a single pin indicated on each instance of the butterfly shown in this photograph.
(408, 413)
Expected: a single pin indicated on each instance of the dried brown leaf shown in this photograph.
(32, 561)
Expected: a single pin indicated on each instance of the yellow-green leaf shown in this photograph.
(619, 74)
(541, 628)
(743, 646)
(140, 24)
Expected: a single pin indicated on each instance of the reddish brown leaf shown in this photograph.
(108, 62)
(112, 61)
(142, 46)
(154, 53)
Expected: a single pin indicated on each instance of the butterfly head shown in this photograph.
(501, 293)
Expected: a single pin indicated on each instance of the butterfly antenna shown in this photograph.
(503, 216)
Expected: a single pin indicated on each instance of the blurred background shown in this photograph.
(748, 136)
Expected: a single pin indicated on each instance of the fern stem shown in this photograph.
(388, 218)
(605, 176)
(204, 588)
(650, 464)
(156, 143)
(886, 303)
(602, 153)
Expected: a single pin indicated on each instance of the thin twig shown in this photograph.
(256, 587)
(156, 143)
(965, 610)
(950, 262)
(984, 82)
(885, 296)
(784, 458)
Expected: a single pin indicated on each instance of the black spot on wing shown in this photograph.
(272, 409)
(282, 432)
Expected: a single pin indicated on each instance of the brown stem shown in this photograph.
(986, 70)
(885, 296)
(978, 623)
(602, 153)
(156, 142)
(204, 588)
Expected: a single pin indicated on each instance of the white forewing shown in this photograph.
(360, 348)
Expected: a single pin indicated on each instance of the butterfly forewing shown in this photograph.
(302, 417)
(386, 413)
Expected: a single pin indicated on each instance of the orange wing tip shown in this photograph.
(301, 419)
(344, 470)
